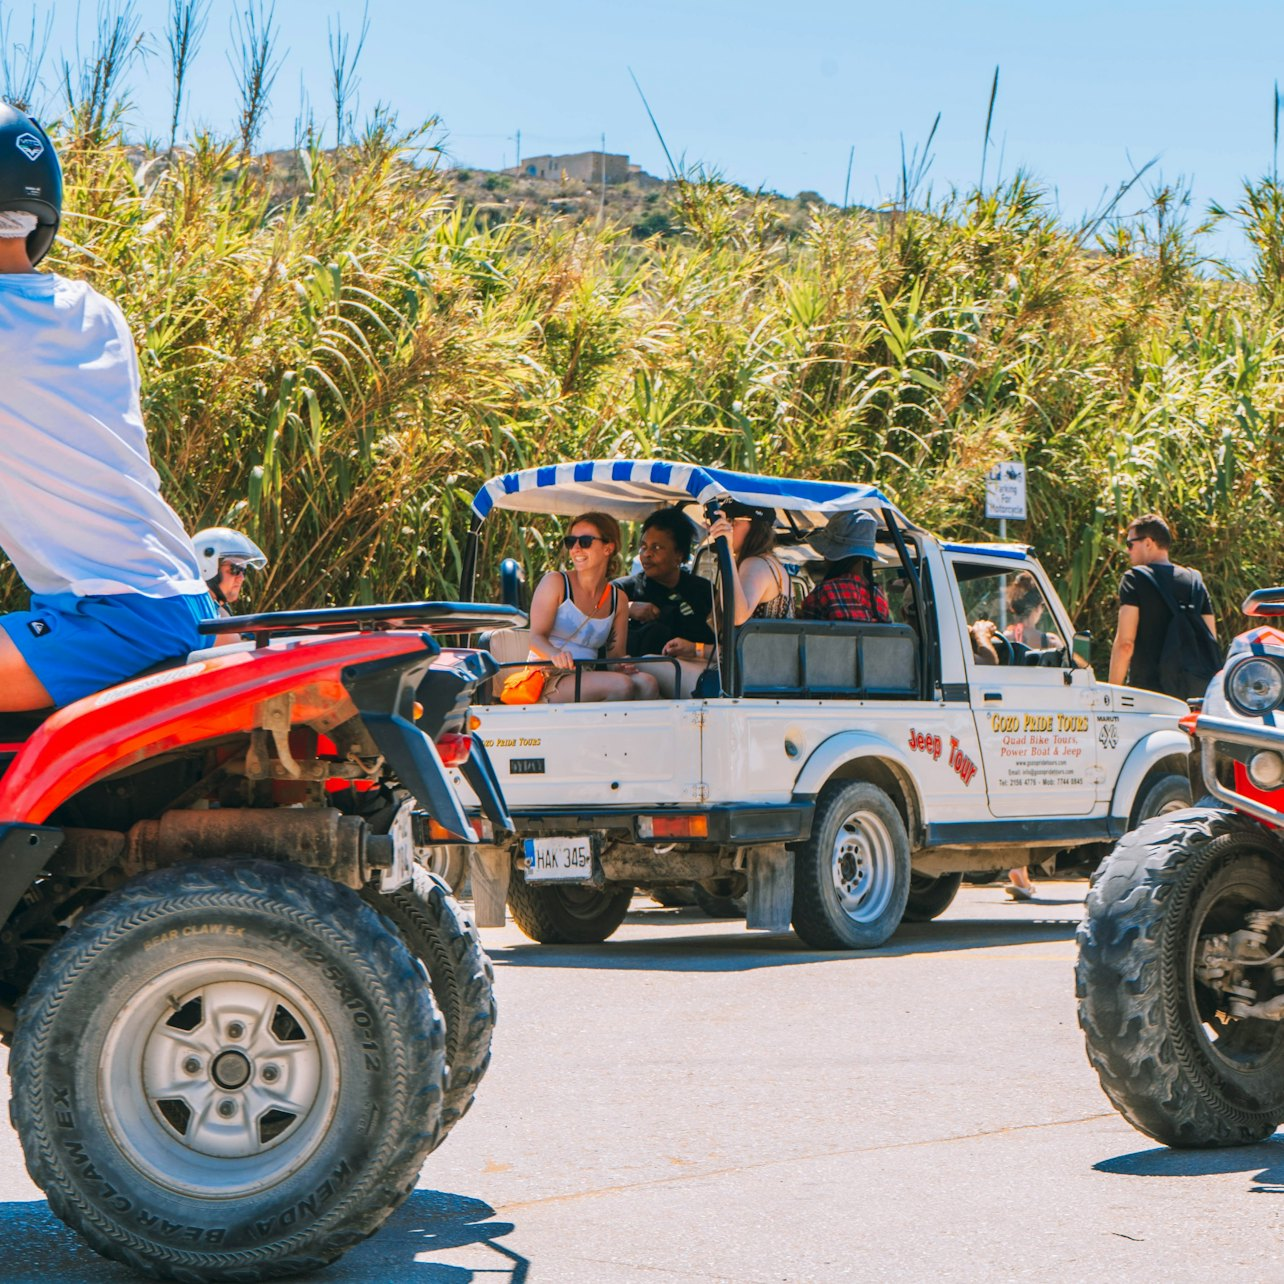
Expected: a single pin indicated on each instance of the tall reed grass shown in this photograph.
(335, 361)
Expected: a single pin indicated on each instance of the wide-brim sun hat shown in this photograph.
(848, 535)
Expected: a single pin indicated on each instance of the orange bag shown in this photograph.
(523, 686)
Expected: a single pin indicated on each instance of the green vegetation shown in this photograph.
(336, 369)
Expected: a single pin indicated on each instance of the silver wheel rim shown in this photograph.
(863, 867)
(218, 1078)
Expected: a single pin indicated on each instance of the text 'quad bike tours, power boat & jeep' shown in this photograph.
(842, 776)
(240, 1014)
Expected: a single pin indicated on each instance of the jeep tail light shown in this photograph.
(454, 748)
(437, 833)
(673, 826)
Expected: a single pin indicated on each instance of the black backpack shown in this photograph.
(1190, 654)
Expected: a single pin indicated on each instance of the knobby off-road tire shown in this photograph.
(930, 896)
(438, 931)
(229, 1070)
(852, 876)
(566, 915)
(1171, 1065)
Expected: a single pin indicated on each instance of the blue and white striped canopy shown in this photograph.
(630, 489)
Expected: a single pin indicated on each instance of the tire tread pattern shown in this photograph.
(1147, 1066)
(437, 929)
(311, 905)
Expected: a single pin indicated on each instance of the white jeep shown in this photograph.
(844, 776)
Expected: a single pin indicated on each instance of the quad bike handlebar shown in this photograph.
(422, 617)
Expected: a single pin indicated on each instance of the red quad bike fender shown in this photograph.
(220, 696)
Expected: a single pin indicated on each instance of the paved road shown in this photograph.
(694, 1102)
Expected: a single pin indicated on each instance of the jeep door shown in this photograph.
(1035, 716)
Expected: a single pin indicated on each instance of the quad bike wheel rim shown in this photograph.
(1237, 1045)
(863, 866)
(218, 1078)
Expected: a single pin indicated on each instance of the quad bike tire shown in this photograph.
(930, 895)
(852, 876)
(227, 1070)
(439, 933)
(1172, 1063)
(569, 914)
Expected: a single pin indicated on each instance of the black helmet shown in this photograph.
(30, 177)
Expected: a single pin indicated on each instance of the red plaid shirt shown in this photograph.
(845, 597)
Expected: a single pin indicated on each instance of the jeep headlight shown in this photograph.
(1255, 686)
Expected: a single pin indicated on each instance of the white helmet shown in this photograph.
(218, 542)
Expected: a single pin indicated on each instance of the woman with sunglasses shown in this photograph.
(575, 614)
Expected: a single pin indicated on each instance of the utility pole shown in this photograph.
(519, 149)
(601, 204)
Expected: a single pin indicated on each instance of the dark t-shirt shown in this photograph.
(1153, 616)
(684, 611)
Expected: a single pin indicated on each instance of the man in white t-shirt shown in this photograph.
(115, 587)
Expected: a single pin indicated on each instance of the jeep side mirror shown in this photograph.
(1081, 650)
(1265, 602)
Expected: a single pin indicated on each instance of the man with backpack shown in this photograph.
(1167, 638)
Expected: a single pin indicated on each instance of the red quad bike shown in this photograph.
(240, 1013)
(1181, 954)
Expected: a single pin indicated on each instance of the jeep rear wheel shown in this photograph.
(852, 876)
(1171, 1058)
(567, 915)
(440, 934)
(236, 1049)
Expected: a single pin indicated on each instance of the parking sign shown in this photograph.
(1005, 491)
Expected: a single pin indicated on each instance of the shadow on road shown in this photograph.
(36, 1247)
(684, 948)
(1265, 1160)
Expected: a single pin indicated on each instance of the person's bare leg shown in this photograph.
(646, 686)
(595, 685)
(20, 689)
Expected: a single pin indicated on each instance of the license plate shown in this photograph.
(559, 860)
(403, 850)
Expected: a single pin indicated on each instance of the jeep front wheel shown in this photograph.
(852, 876)
(1171, 1056)
(227, 1070)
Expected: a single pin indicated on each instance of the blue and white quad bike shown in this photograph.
(1181, 954)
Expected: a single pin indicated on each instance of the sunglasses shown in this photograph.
(236, 568)
(1136, 539)
(583, 541)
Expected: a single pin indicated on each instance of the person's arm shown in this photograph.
(742, 610)
(1205, 603)
(618, 647)
(1125, 643)
(758, 583)
(547, 598)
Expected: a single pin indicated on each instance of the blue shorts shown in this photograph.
(79, 645)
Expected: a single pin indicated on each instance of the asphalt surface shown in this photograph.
(692, 1101)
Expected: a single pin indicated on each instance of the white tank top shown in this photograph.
(580, 634)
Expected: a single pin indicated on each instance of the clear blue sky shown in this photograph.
(776, 94)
